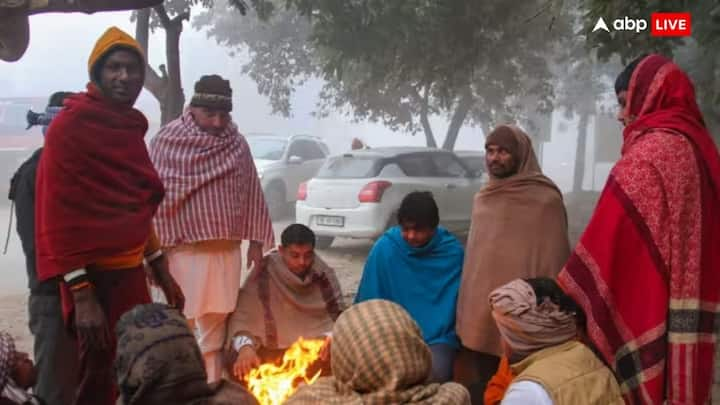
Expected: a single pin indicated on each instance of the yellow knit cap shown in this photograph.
(111, 39)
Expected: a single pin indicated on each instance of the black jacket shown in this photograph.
(22, 192)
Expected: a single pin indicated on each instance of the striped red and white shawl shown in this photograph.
(213, 190)
(647, 269)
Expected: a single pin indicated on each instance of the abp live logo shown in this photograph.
(661, 24)
(671, 24)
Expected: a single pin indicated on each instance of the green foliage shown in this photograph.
(699, 55)
(398, 62)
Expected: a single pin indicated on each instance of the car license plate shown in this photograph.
(326, 220)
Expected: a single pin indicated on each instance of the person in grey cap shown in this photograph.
(213, 202)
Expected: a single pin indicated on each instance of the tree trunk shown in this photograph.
(427, 130)
(425, 120)
(461, 112)
(166, 88)
(174, 95)
(580, 150)
(154, 83)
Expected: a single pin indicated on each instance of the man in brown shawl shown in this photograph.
(518, 230)
(294, 294)
(379, 357)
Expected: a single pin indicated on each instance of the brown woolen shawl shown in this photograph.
(519, 230)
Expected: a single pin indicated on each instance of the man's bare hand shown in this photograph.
(160, 276)
(246, 361)
(255, 255)
(90, 320)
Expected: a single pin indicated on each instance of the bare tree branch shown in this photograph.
(163, 16)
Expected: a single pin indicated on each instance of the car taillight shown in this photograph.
(373, 192)
(302, 192)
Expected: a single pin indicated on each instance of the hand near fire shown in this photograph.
(246, 361)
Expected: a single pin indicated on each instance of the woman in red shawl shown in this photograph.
(647, 268)
(97, 192)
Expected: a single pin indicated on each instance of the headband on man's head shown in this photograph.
(212, 92)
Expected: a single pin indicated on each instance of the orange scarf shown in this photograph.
(499, 383)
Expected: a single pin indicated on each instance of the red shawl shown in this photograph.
(97, 190)
(213, 188)
(647, 268)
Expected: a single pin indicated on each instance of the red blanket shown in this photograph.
(647, 268)
(97, 190)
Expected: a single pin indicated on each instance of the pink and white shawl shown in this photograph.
(213, 190)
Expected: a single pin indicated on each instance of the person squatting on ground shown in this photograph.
(17, 375)
(544, 361)
(417, 264)
(379, 357)
(159, 363)
(294, 294)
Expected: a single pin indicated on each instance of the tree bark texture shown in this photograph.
(579, 173)
(166, 87)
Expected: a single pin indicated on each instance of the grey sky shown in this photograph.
(61, 43)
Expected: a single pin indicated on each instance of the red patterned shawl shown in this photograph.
(647, 268)
(213, 190)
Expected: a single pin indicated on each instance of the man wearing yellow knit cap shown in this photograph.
(97, 192)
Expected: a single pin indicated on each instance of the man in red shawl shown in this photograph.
(647, 269)
(97, 192)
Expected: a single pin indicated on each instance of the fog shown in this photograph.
(57, 60)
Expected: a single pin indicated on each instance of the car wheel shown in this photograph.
(323, 242)
(276, 201)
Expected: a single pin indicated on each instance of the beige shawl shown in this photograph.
(276, 307)
(519, 230)
(379, 357)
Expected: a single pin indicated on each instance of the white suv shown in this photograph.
(283, 163)
(357, 194)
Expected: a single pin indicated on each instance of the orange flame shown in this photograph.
(272, 384)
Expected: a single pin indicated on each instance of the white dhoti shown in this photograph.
(209, 275)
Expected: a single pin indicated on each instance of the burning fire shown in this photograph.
(272, 384)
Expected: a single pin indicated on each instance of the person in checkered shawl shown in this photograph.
(379, 335)
(17, 374)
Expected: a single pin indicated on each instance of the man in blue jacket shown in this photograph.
(417, 264)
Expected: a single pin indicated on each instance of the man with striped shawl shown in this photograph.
(214, 201)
